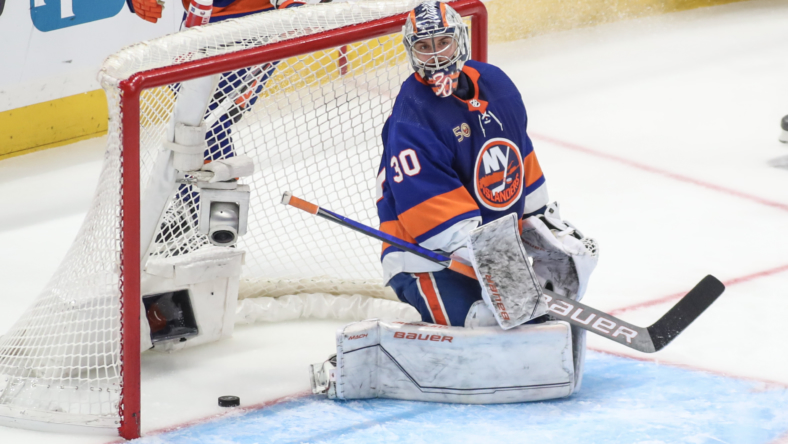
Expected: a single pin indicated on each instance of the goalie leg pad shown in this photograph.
(427, 362)
(578, 354)
(479, 316)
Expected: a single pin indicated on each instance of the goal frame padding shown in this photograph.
(131, 90)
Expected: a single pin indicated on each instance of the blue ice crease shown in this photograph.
(621, 401)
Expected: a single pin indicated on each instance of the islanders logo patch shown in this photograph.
(499, 174)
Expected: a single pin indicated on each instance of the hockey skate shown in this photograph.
(321, 376)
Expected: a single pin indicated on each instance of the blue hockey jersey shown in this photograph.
(450, 164)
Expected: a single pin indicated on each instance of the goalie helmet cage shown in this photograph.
(72, 361)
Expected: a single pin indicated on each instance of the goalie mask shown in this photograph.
(436, 40)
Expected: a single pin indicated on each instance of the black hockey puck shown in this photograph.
(229, 401)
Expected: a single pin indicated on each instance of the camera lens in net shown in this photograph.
(223, 236)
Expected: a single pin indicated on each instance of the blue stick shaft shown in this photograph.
(377, 234)
(459, 267)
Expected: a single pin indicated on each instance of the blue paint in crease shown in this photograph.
(621, 401)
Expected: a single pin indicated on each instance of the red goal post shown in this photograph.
(130, 110)
(73, 359)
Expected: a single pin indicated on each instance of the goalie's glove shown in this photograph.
(563, 257)
(149, 10)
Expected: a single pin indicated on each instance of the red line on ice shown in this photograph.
(677, 296)
(231, 411)
(659, 171)
(784, 438)
(781, 440)
(781, 385)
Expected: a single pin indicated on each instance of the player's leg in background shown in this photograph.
(441, 297)
(235, 95)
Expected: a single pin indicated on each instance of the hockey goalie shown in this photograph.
(459, 176)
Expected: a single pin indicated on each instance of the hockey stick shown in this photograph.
(459, 267)
(645, 339)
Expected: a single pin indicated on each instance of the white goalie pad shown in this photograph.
(579, 353)
(427, 362)
(200, 287)
(563, 257)
(479, 316)
(509, 285)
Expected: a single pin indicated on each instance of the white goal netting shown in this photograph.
(311, 123)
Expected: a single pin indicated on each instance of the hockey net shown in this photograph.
(325, 78)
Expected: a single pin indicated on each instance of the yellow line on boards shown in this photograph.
(51, 145)
(70, 119)
(53, 123)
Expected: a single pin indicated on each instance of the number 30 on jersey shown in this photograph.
(407, 162)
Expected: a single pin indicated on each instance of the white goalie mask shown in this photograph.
(436, 40)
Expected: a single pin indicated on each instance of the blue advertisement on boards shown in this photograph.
(49, 15)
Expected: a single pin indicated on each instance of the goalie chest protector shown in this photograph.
(447, 159)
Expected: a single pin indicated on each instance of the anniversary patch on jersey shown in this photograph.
(499, 174)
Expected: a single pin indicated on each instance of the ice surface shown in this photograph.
(654, 135)
(622, 401)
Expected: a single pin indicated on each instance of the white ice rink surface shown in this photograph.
(654, 135)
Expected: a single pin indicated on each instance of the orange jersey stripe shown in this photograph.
(532, 169)
(395, 228)
(474, 76)
(437, 210)
(433, 300)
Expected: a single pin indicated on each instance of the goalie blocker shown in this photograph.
(482, 365)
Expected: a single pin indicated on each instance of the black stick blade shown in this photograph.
(685, 311)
